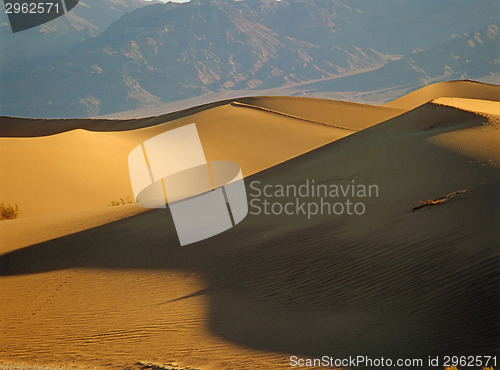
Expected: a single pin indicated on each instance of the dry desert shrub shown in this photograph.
(8, 212)
(120, 202)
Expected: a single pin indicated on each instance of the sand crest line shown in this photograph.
(245, 105)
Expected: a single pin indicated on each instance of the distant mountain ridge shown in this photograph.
(167, 52)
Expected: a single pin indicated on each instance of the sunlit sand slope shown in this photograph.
(453, 89)
(484, 107)
(82, 169)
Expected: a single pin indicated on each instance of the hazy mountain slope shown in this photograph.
(469, 56)
(401, 26)
(168, 52)
(56, 38)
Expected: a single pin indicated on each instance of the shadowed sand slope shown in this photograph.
(32, 127)
(453, 89)
(390, 282)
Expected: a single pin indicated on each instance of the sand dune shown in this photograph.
(390, 282)
(95, 151)
(95, 167)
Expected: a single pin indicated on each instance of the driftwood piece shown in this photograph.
(437, 200)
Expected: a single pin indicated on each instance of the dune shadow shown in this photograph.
(145, 241)
(309, 291)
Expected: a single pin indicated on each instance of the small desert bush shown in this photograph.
(8, 212)
(120, 202)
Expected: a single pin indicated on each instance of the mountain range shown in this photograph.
(162, 53)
